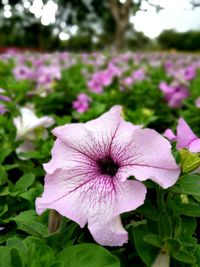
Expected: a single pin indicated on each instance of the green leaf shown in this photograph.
(146, 252)
(3, 209)
(16, 259)
(87, 255)
(4, 191)
(164, 225)
(32, 193)
(39, 254)
(26, 216)
(5, 257)
(184, 256)
(197, 255)
(31, 155)
(34, 228)
(189, 225)
(58, 264)
(5, 151)
(173, 244)
(3, 176)
(149, 211)
(28, 221)
(190, 209)
(19, 245)
(188, 184)
(153, 240)
(25, 182)
(5, 237)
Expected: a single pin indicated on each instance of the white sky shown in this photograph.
(177, 14)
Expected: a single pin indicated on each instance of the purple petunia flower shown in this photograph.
(185, 74)
(22, 72)
(86, 178)
(138, 75)
(174, 93)
(82, 103)
(103, 78)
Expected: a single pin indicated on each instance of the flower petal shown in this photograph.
(63, 157)
(57, 196)
(111, 233)
(90, 141)
(195, 146)
(149, 157)
(169, 134)
(130, 196)
(184, 134)
(80, 195)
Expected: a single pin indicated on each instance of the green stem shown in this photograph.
(160, 198)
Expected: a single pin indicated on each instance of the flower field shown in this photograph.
(100, 159)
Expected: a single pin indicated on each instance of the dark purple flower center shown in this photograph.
(107, 166)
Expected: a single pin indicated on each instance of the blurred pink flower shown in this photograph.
(82, 103)
(4, 97)
(138, 75)
(197, 102)
(86, 178)
(103, 78)
(127, 81)
(186, 74)
(168, 65)
(3, 109)
(47, 74)
(22, 72)
(174, 94)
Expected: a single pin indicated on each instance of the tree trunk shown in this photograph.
(119, 42)
(120, 13)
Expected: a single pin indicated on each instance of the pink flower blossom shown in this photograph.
(47, 74)
(186, 138)
(169, 134)
(103, 78)
(113, 70)
(168, 65)
(127, 81)
(86, 178)
(82, 103)
(138, 75)
(22, 72)
(174, 94)
(95, 86)
(186, 74)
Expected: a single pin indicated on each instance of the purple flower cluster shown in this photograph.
(103, 78)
